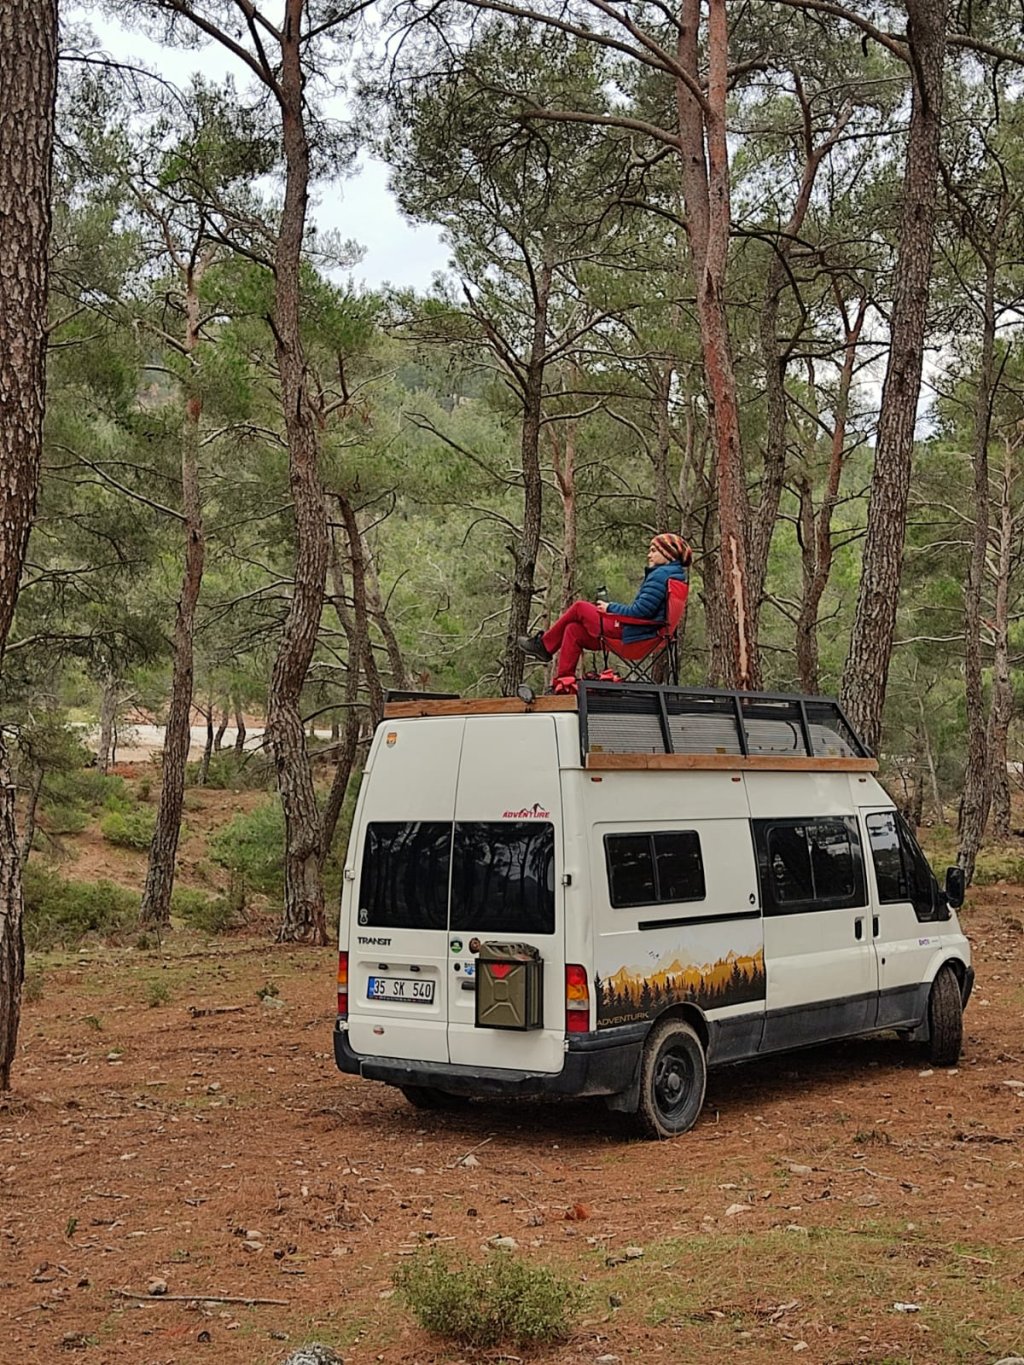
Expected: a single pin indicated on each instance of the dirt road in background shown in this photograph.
(172, 1124)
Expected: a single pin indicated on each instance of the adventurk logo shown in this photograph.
(534, 812)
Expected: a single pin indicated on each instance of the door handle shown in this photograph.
(874, 925)
(858, 927)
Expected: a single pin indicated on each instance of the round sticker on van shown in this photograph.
(456, 945)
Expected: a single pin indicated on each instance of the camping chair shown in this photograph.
(640, 656)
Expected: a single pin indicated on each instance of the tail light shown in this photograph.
(577, 999)
(343, 985)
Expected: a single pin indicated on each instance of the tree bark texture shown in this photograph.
(239, 728)
(1001, 711)
(525, 550)
(335, 802)
(304, 894)
(563, 464)
(705, 184)
(163, 849)
(377, 609)
(867, 666)
(974, 806)
(364, 656)
(28, 72)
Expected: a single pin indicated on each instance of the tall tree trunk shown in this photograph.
(775, 359)
(377, 609)
(867, 666)
(563, 464)
(705, 184)
(108, 716)
(222, 728)
(528, 544)
(1001, 711)
(239, 728)
(816, 533)
(977, 784)
(304, 892)
(31, 807)
(163, 849)
(335, 802)
(360, 614)
(28, 72)
(204, 762)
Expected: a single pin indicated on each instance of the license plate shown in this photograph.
(400, 988)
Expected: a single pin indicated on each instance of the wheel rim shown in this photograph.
(673, 1082)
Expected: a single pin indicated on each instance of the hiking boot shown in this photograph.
(534, 646)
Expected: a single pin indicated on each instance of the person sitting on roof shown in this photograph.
(585, 624)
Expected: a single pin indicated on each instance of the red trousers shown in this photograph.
(578, 629)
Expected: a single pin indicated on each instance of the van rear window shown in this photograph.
(404, 880)
(503, 877)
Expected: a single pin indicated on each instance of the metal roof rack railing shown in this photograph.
(641, 718)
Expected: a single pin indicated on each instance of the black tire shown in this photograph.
(428, 1097)
(945, 1020)
(673, 1077)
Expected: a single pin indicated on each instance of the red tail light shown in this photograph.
(577, 999)
(343, 985)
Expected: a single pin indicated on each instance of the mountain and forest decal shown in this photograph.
(632, 994)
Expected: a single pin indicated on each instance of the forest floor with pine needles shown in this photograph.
(178, 1124)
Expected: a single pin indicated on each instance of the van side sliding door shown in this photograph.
(819, 954)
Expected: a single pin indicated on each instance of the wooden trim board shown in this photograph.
(778, 763)
(487, 706)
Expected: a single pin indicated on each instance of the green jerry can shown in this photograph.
(509, 986)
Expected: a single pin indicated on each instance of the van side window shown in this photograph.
(503, 877)
(808, 865)
(902, 871)
(404, 879)
(662, 867)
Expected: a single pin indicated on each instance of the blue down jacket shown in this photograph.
(651, 599)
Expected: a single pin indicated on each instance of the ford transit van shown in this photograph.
(607, 894)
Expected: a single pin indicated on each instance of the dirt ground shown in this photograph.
(171, 1123)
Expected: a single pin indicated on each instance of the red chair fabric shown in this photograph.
(641, 655)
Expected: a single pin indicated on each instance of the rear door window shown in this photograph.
(405, 872)
(503, 877)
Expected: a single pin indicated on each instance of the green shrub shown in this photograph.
(482, 1303)
(251, 846)
(209, 914)
(129, 829)
(998, 865)
(32, 987)
(59, 913)
(229, 771)
(68, 799)
(157, 993)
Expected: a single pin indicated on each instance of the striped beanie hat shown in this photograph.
(672, 545)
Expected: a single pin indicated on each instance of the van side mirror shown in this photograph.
(956, 888)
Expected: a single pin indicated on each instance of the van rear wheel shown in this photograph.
(673, 1077)
(429, 1097)
(945, 1019)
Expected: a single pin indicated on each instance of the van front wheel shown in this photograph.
(945, 1020)
(673, 1077)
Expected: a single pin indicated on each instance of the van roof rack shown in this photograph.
(643, 725)
(626, 725)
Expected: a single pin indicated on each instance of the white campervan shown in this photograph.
(605, 895)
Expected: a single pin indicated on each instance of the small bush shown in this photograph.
(998, 865)
(131, 829)
(32, 988)
(251, 846)
(209, 914)
(229, 771)
(59, 913)
(157, 993)
(486, 1302)
(145, 789)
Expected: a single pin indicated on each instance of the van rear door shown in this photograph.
(398, 921)
(506, 883)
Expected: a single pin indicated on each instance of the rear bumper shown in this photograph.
(594, 1065)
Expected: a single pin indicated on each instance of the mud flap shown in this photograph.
(627, 1101)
